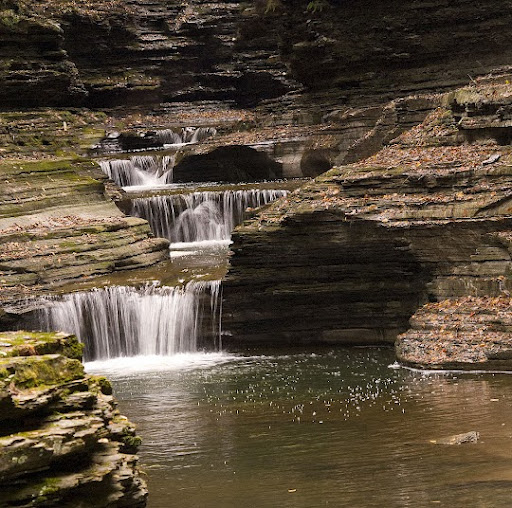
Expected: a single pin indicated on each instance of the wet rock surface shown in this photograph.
(458, 439)
(62, 440)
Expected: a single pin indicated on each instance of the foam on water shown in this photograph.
(140, 171)
(128, 366)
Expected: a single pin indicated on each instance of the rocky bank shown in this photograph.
(351, 256)
(62, 441)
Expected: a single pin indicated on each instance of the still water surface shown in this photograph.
(336, 428)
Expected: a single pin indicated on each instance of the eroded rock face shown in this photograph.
(228, 164)
(62, 440)
(349, 256)
(58, 226)
(104, 54)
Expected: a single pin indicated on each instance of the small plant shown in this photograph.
(316, 5)
(272, 6)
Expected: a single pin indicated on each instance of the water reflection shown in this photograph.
(331, 428)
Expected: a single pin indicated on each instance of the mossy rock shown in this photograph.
(21, 343)
(100, 384)
(26, 372)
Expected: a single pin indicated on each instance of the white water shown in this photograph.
(123, 321)
(148, 171)
(185, 136)
(140, 170)
(129, 366)
(200, 216)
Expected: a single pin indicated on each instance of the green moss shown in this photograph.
(40, 343)
(9, 19)
(102, 384)
(45, 166)
(46, 490)
(131, 441)
(21, 337)
(73, 348)
(36, 371)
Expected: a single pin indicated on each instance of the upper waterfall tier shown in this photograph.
(200, 216)
(115, 142)
(144, 170)
(126, 321)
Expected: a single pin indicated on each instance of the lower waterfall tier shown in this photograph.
(126, 321)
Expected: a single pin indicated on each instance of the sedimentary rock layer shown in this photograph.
(350, 256)
(464, 333)
(57, 226)
(153, 51)
(62, 440)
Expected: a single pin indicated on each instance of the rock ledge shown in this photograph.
(62, 441)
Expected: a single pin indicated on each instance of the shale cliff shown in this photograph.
(351, 256)
(62, 441)
(122, 52)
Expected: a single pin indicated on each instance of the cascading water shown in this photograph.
(147, 170)
(186, 135)
(200, 216)
(125, 321)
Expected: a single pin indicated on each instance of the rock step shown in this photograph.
(466, 333)
(62, 440)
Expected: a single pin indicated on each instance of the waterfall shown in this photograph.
(200, 216)
(186, 135)
(147, 170)
(125, 321)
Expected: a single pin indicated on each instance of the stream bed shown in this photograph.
(323, 427)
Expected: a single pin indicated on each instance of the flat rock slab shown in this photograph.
(471, 333)
(22, 343)
(458, 439)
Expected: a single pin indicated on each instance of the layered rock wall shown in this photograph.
(57, 226)
(152, 51)
(351, 256)
(62, 440)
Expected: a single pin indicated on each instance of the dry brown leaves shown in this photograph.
(432, 159)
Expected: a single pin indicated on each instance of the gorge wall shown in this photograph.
(103, 54)
(309, 87)
(349, 257)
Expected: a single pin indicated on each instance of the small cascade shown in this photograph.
(200, 216)
(186, 135)
(145, 170)
(121, 321)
